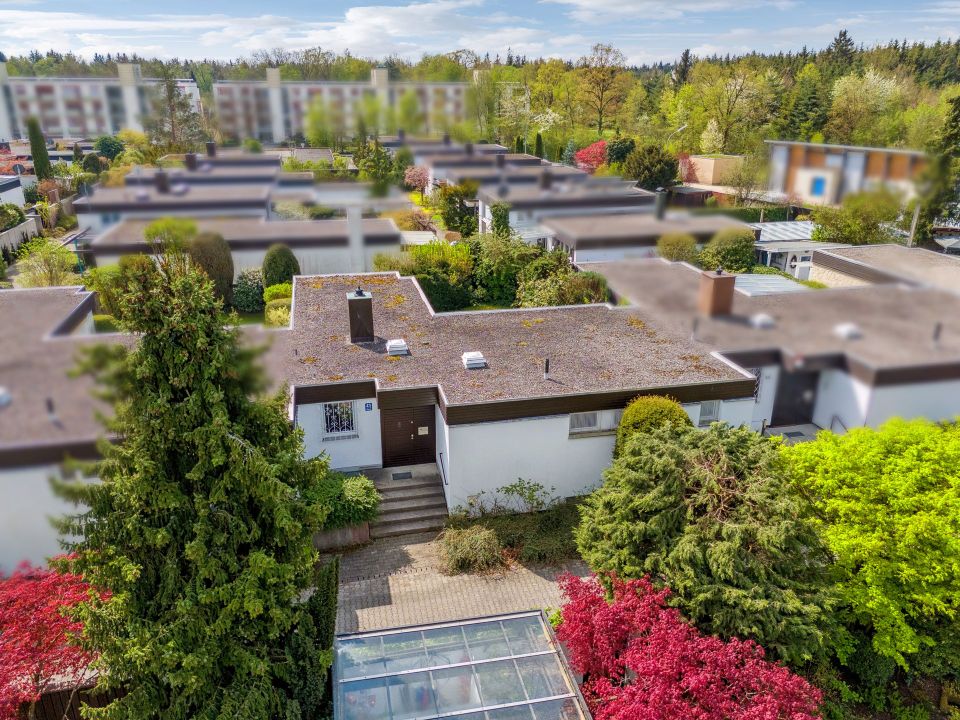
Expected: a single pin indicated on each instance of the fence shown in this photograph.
(65, 704)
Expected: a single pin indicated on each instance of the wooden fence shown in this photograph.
(65, 704)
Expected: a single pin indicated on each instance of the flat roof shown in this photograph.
(513, 173)
(147, 197)
(501, 666)
(865, 148)
(633, 228)
(204, 173)
(563, 194)
(243, 232)
(592, 348)
(781, 231)
(897, 322)
(915, 265)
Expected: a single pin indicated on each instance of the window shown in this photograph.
(709, 412)
(338, 421)
(818, 186)
(584, 422)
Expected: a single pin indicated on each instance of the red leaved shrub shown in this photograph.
(592, 156)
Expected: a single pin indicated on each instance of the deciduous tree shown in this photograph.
(604, 83)
(417, 177)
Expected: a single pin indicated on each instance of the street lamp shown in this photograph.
(679, 129)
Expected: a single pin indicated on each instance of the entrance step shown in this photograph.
(411, 503)
(412, 527)
(428, 502)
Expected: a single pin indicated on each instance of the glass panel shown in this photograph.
(468, 716)
(364, 700)
(542, 676)
(445, 646)
(404, 651)
(499, 683)
(456, 689)
(411, 696)
(526, 635)
(557, 710)
(357, 657)
(486, 640)
(519, 712)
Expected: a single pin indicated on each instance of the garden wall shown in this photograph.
(24, 231)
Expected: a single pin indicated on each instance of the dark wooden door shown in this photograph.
(407, 436)
(795, 398)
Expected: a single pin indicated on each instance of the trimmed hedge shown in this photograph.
(730, 249)
(352, 499)
(677, 247)
(277, 312)
(210, 251)
(278, 291)
(248, 291)
(646, 413)
(472, 549)
(279, 265)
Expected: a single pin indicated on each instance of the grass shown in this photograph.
(244, 318)
(105, 324)
(768, 270)
(486, 306)
(544, 537)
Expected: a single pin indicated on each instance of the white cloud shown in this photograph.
(602, 11)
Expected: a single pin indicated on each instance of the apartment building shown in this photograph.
(79, 107)
(272, 110)
(820, 174)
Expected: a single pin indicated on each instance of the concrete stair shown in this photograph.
(413, 505)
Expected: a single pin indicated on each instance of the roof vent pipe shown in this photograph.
(660, 203)
(190, 159)
(211, 149)
(546, 368)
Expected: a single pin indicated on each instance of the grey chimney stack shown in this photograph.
(162, 181)
(446, 138)
(501, 160)
(546, 180)
(546, 369)
(660, 203)
(716, 293)
(211, 149)
(468, 148)
(360, 310)
(401, 135)
(190, 159)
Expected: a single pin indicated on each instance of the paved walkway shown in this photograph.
(396, 581)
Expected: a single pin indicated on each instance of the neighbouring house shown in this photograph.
(588, 238)
(11, 190)
(834, 359)
(320, 246)
(788, 246)
(420, 147)
(530, 203)
(812, 174)
(711, 169)
(498, 176)
(456, 669)
(851, 266)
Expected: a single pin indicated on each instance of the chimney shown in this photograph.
(546, 180)
(360, 309)
(501, 160)
(162, 181)
(716, 293)
(468, 148)
(211, 149)
(660, 203)
(546, 369)
(446, 138)
(401, 135)
(191, 161)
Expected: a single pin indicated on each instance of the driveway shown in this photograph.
(396, 581)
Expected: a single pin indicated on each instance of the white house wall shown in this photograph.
(28, 505)
(360, 452)
(766, 392)
(842, 401)
(932, 400)
(613, 254)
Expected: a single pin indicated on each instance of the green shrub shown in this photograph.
(279, 265)
(652, 167)
(581, 288)
(252, 145)
(10, 216)
(211, 252)
(275, 292)
(105, 324)
(730, 249)
(67, 222)
(352, 500)
(92, 164)
(677, 247)
(248, 291)
(320, 212)
(472, 549)
(277, 312)
(108, 146)
(646, 413)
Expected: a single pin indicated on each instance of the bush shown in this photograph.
(278, 316)
(582, 288)
(67, 222)
(647, 413)
(652, 167)
(92, 164)
(618, 150)
(321, 212)
(413, 219)
(279, 265)
(248, 291)
(105, 324)
(730, 249)
(472, 549)
(108, 146)
(677, 247)
(275, 292)
(211, 252)
(352, 499)
(10, 216)
(252, 145)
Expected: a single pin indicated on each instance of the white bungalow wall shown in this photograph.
(356, 453)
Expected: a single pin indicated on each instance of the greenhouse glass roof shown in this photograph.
(505, 667)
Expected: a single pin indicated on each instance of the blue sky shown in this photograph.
(646, 30)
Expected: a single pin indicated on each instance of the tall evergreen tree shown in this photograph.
(173, 124)
(38, 150)
(806, 110)
(538, 146)
(940, 183)
(200, 530)
(681, 71)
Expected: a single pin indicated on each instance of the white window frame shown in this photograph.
(343, 433)
(579, 430)
(705, 421)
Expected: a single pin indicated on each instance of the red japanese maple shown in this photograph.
(35, 652)
(642, 661)
(592, 156)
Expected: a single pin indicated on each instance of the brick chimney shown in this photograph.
(468, 148)
(360, 310)
(211, 149)
(546, 179)
(716, 293)
(501, 160)
(190, 160)
(162, 181)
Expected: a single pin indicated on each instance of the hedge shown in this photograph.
(646, 413)
(352, 499)
(279, 265)
(278, 291)
(248, 291)
(210, 251)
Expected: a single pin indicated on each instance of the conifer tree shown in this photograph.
(200, 531)
(538, 146)
(38, 150)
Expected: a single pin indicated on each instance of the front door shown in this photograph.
(796, 395)
(407, 436)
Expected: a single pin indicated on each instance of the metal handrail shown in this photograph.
(836, 419)
(443, 472)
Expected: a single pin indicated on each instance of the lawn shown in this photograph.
(244, 318)
(539, 537)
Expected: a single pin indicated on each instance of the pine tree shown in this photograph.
(538, 146)
(38, 150)
(77, 154)
(681, 71)
(200, 530)
(518, 145)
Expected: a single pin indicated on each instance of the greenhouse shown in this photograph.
(505, 667)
